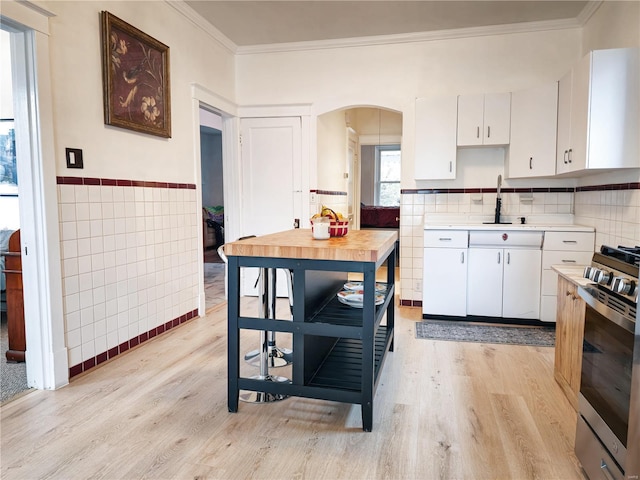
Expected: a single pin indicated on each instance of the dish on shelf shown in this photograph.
(355, 298)
(359, 286)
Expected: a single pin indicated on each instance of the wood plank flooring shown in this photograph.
(443, 410)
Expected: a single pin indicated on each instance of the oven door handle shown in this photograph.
(607, 312)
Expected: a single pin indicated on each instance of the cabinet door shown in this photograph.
(521, 292)
(470, 120)
(497, 116)
(532, 147)
(484, 290)
(444, 288)
(564, 123)
(579, 114)
(614, 109)
(569, 339)
(435, 155)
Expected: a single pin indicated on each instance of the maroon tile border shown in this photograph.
(122, 183)
(328, 192)
(416, 191)
(123, 347)
(589, 188)
(611, 186)
(410, 303)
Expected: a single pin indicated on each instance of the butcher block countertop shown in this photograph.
(357, 245)
(573, 274)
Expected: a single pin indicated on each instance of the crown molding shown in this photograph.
(588, 10)
(199, 21)
(411, 37)
(194, 17)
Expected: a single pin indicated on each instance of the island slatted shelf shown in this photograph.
(338, 351)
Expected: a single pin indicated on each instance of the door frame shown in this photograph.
(205, 98)
(46, 356)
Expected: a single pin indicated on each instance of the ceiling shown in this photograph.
(253, 23)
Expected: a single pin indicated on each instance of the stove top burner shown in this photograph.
(628, 255)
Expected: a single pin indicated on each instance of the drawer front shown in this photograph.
(571, 241)
(446, 238)
(566, 258)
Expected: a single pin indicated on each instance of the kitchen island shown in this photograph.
(338, 350)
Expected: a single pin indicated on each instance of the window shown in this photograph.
(388, 175)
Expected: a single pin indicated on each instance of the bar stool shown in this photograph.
(277, 356)
(267, 281)
(267, 287)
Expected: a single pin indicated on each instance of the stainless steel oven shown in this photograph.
(609, 400)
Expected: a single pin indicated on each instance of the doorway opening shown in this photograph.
(13, 375)
(371, 174)
(212, 183)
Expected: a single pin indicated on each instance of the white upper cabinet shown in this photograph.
(534, 115)
(484, 119)
(435, 152)
(598, 112)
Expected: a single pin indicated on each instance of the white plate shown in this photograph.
(380, 287)
(356, 299)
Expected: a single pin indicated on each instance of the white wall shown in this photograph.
(113, 152)
(332, 151)
(130, 257)
(392, 76)
(615, 24)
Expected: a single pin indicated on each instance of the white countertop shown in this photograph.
(547, 223)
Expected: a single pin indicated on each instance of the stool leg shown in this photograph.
(268, 310)
(278, 356)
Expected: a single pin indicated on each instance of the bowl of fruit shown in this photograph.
(338, 224)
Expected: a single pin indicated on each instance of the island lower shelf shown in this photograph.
(342, 368)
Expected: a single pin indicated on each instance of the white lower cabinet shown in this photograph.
(444, 285)
(561, 248)
(504, 282)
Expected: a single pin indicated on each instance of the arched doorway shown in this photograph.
(351, 145)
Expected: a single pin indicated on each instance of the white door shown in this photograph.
(484, 291)
(271, 181)
(444, 289)
(521, 293)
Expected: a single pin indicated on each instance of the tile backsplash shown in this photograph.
(613, 210)
(129, 263)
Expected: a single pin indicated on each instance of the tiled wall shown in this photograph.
(614, 211)
(129, 263)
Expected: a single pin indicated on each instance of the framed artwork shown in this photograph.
(135, 78)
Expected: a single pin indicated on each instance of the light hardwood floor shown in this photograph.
(443, 410)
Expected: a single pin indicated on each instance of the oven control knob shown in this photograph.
(588, 272)
(624, 286)
(602, 277)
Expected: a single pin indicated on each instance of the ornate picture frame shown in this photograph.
(135, 79)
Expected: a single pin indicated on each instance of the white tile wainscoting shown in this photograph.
(612, 209)
(129, 263)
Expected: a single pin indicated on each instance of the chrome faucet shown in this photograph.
(498, 201)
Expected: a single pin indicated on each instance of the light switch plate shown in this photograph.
(74, 158)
